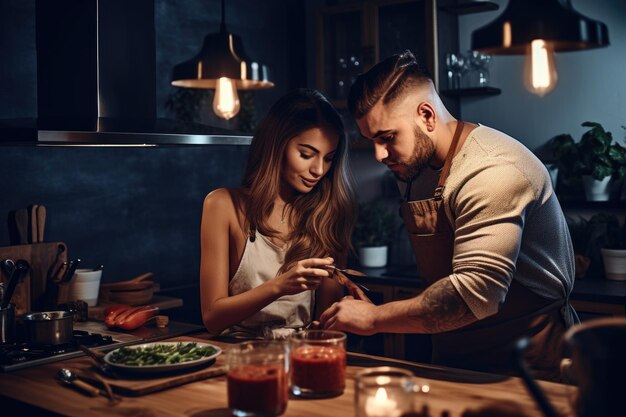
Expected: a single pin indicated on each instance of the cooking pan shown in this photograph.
(48, 328)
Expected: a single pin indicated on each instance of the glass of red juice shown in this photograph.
(257, 378)
(318, 363)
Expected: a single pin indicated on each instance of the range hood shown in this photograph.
(96, 80)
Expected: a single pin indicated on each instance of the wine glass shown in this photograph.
(456, 66)
(479, 68)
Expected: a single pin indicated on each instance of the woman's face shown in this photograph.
(308, 157)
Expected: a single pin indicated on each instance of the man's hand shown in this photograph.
(350, 315)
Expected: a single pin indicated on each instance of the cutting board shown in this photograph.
(40, 257)
(141, 385)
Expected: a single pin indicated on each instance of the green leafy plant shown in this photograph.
(375, 224)
(596, 154)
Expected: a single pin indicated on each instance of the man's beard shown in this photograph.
(423, 151)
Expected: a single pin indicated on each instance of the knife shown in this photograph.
(98, 359)
(345, 275)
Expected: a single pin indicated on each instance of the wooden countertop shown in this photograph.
(451, 390)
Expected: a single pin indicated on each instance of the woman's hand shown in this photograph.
(306, 274)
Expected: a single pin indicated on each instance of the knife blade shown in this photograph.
(347, 276)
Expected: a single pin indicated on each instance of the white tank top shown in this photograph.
(260, 263)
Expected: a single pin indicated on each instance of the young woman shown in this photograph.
(265, 245)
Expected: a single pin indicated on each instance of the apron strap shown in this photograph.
(448, 162)
(446, 165)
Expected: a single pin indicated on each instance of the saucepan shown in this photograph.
(47, 327)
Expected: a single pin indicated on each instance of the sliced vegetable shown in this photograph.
(137, 318)
(127, 317)
(161, 354)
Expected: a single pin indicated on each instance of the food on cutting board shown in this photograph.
(161, 354)
(128, 317)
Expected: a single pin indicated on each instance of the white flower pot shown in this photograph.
(614, 263)
(373, 256)
(597, 190)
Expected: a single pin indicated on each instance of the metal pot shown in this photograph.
(48, 327)
(7, 324)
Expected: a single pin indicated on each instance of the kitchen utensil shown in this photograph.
(21, 222)
(32, 226)
(68, 377)
(31, 289)
(48, 327)
(21, 268)
(8, 266)
(137, 283)
(99, 362)
(41, 222)
(349, 274)
(7, 324)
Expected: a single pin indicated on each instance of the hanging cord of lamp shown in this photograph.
(223, 65)
(538, 29)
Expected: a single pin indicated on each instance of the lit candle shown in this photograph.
(381, 405)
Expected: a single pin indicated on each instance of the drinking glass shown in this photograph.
(479, 68)
(456, 66)
(385, 392)
(257, 378)
(318, 363)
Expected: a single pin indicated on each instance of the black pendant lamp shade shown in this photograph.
(222, 55)
(554, 21)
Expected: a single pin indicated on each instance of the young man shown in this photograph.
(486, 228)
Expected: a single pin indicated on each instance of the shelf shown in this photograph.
(476, 91)
(470, 7)
(593, 205)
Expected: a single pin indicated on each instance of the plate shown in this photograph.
(160, 368)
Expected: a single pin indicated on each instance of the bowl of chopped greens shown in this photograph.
(160, 357)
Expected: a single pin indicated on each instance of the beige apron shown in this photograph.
(484, 345)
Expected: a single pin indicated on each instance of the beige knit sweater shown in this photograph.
(509, 224)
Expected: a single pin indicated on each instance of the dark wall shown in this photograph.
(132, 209)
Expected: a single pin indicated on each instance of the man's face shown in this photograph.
(399, 142)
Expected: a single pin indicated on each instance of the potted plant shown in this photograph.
(613, 246)
(596, 159)
(373, 232)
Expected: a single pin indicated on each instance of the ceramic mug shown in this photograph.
(597, 366)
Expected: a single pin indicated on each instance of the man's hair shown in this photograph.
(387, 80)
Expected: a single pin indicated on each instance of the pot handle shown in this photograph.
(531, 385)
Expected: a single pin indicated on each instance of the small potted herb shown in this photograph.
(596, 159)
(373, 232)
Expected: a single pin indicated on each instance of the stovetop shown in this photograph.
(93, 335)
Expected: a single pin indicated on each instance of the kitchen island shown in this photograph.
(37, 391)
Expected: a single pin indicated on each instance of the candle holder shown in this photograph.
(257, 378)
(318, 363)
(385, 392)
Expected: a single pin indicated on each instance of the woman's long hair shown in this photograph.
(322, 218)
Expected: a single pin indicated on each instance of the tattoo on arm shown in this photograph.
(441, 308)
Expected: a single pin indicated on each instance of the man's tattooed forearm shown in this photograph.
(441, 308)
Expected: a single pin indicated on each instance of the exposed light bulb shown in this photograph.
(540, 75)
(226, 101)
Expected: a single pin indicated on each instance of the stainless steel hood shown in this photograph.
(97, 81)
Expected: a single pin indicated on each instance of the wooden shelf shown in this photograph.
(471, 7)
(476, 91)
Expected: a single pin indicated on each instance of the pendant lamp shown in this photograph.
(222, 65)
(538, 29)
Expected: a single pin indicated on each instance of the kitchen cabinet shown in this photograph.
(352, 37)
